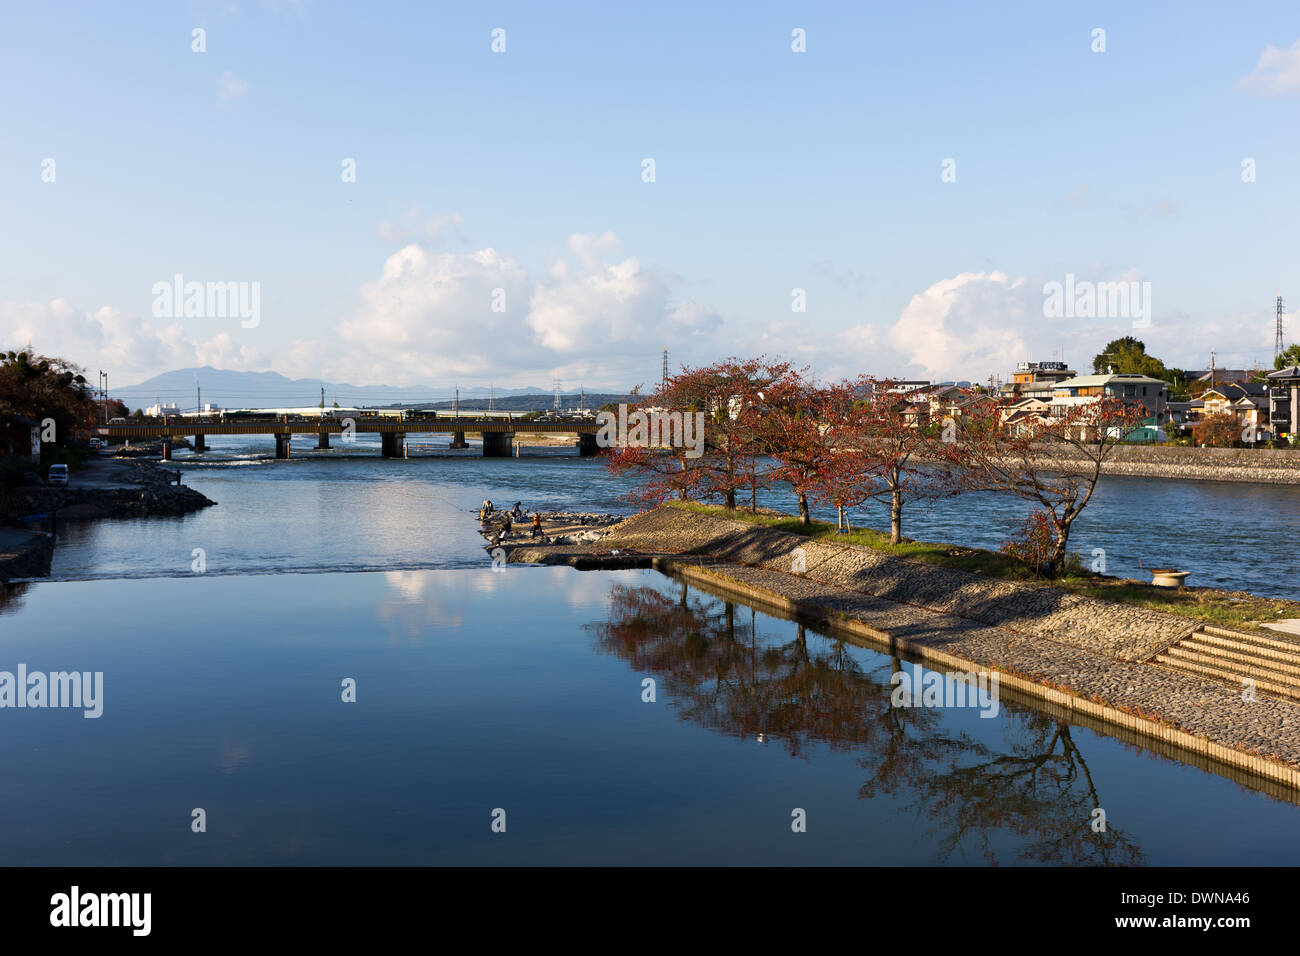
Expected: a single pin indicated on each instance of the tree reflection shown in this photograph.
(708, 655)
(11, 596)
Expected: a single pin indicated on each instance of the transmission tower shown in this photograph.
(1278, 347)
(557, 394)
(665, 378)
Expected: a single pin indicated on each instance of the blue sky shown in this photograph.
(521, 171)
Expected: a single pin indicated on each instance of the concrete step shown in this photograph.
(1235, 664)
(1261, 651)
(1279, 643)
(1202, 670)
(1277, 660)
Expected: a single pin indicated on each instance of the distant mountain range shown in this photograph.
(231, 389)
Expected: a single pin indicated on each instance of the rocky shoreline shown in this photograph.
(105, 489)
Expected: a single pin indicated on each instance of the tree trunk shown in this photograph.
(896, 517)
(1059, 546)
(729, 499)
(804, 517)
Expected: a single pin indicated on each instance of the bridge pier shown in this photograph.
(392, 444)
(587, 444)
(200, 444)
(496, 444)
(458, 440)
(323, 440)
(166, 449)
(282, 446)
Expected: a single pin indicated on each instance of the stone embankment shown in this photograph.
(1269, 465)
(1080, 655)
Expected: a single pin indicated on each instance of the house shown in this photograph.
(1284, 401)
(1025, 416)
(1133, 389)
(20, 438)
(1181, 414)
(1035, 379)
(1220, 376)
(1248, 402)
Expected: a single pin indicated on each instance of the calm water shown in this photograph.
(346, 509)
(522, 691)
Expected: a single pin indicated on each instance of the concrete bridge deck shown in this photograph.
(497, 433)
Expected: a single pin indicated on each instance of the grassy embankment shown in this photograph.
(1211, 606)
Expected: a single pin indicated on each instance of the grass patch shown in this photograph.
(1207, 605)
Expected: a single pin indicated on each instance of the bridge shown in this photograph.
(498, 435)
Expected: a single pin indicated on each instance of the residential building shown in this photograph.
(1284, 401)
(1248, 402)
(1036, 380)
(20, 437)
(1150, 393)
(163, 410)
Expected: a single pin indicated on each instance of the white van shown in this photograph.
(58, 474)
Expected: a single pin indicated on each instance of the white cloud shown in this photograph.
(231, 87)
(1276, 73)
(430, 316)
(592, 303)
(130, 347)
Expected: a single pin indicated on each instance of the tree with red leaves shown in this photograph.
(897, 442)
(731, 396)
(1055, 463)
(797, 432)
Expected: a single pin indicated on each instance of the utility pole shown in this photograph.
(492, 397)
(455, 404)
(322, 398)
(1212, 377)
(199, 399)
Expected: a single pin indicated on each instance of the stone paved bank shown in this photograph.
(1090, 657)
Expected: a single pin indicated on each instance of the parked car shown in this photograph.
(97, 443)
(58, 475)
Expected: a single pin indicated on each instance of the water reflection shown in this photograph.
(1023, 773)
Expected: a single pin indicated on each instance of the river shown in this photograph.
(394, 703)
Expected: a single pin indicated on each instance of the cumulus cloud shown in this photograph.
(595, 315)
(472, 314)
(592, 300)
(1276, 73)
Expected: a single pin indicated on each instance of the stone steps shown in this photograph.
(1233, 656)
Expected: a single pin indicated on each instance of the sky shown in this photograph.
(892, 199)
